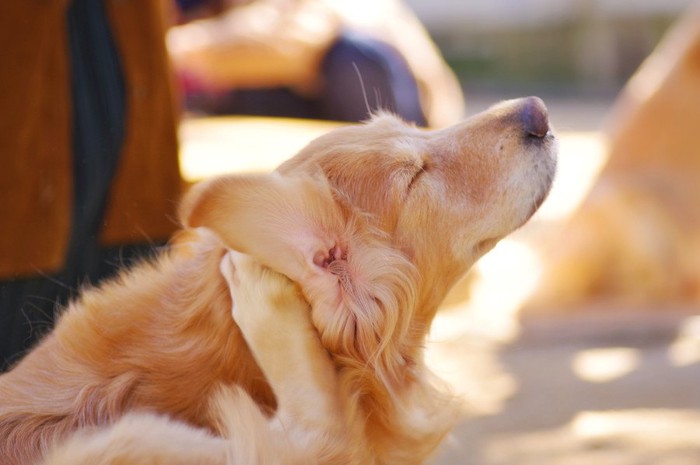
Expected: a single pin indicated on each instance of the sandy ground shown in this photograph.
(604, 386)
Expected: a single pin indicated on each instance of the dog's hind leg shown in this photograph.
(141, 439)
(276, 323)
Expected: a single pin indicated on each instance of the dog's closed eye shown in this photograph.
(422, 169)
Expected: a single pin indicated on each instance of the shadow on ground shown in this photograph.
(615, 388)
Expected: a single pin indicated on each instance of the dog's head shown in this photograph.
(377, 221)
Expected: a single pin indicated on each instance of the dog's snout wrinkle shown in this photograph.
(534, 117)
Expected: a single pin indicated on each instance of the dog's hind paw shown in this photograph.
(263, 299)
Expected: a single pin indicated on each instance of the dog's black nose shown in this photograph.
(534, 117)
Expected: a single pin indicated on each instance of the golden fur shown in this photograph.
(370, 224)
(635, 239)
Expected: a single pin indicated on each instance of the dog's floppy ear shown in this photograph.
(289, 224)
(356, 284)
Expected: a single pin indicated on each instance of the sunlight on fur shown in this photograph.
(316, 324)
(485, 311)
(480, 315)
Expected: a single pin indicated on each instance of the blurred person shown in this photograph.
(325, 59)
(89, 175)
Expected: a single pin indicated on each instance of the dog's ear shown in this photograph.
(289, 224)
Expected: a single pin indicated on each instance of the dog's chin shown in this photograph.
(544, 171)
(539, 200)
(484, 246)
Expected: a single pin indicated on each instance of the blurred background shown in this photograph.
(571, 46)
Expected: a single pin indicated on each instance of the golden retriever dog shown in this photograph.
(306, 344)
(311, 423)
(636, 238)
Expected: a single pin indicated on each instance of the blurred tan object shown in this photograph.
(264, 43)
(219, 145)
(268, 43)
(635, 240)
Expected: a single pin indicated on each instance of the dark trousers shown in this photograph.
(28, 306)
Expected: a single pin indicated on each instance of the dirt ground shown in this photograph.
(604, 388)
